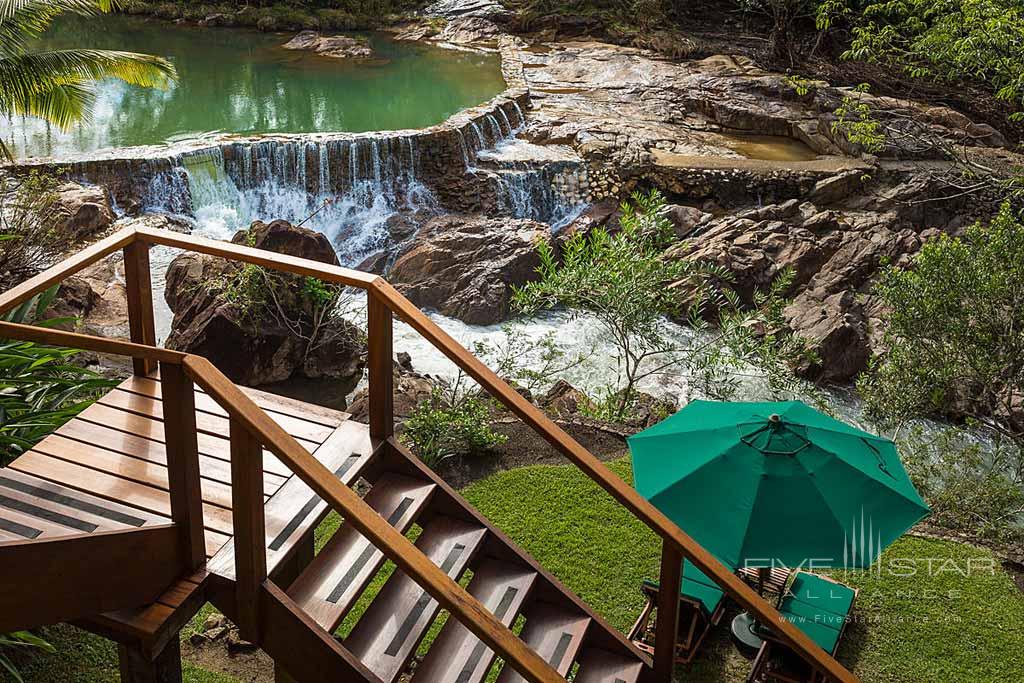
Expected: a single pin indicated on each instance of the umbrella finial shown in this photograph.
(774, 418)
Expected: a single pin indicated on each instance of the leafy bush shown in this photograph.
(857, 123)
(19, 640)
(971, 488)
(40, 388)
(977, 41)
(29, 239)
(628, 284)
(954, 337)
(440, 427)
(529, 364)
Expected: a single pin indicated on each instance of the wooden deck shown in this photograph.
(107, 468)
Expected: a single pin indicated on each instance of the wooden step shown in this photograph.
(388, 633)
(553, 632)
(329, 586)
(458, 656)
(293, 512)
(601, 666)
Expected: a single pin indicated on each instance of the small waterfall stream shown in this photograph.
(354, 186)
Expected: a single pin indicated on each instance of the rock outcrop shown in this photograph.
(82, 210)
(261, 328)
(469, 30)
(465, 266)
(339, 47)
(451, 9)
(834, 253)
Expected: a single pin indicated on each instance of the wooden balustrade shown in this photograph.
(668, 613)
(181, 440)
(248, 525)
(251, 427)
(380, 328)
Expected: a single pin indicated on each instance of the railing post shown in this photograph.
(379, 331)
(179, 410)
(667, 628)
(139, 288)
(249, 528)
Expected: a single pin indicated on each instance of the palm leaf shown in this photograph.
(57, 85)
(22, 21)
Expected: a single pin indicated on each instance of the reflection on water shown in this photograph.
(242, 81)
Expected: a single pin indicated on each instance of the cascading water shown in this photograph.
(226, 189)
(479, 135)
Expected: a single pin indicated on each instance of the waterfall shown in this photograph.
(325, 169)
(412, 160)
(479, 135)
(508, 124)
(522, 117)
(227, 188)
(465, 150)
(498, 135)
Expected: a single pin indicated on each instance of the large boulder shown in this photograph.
(465, 266)
(82, 210)
(261, 327)
(469, 30)
(339, 47)
(94, 300)
(835, 256)
(836, 329)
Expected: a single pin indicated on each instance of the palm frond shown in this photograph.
(56, 85)
(22, 21)
(62, 105)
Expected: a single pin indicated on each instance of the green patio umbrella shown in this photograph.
(761, 483)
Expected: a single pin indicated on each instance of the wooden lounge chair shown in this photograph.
(818, 606)
(701, 604)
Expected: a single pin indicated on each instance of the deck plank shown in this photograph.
(134, 469)
(150, 386)
(278, 407)
(143, 415)
(99, 438)
(82, 428)
(113, 488)
(209, 421)
(107, 514)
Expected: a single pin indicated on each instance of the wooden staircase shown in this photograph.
(559, 627)
(198, 443)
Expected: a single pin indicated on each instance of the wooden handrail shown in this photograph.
(388, 296)
(19, 294)
(746, 596)
(467, 609)
(87, 342)
(259, 257)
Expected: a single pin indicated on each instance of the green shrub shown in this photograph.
(19, 640)
(440, 428)
(40, 388)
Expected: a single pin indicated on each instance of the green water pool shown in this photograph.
(241, 81)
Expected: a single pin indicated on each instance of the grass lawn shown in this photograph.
(918, 620)
(85, 658)
(936, 626)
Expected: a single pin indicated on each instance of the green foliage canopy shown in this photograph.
(946, 40)
(956, 330)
